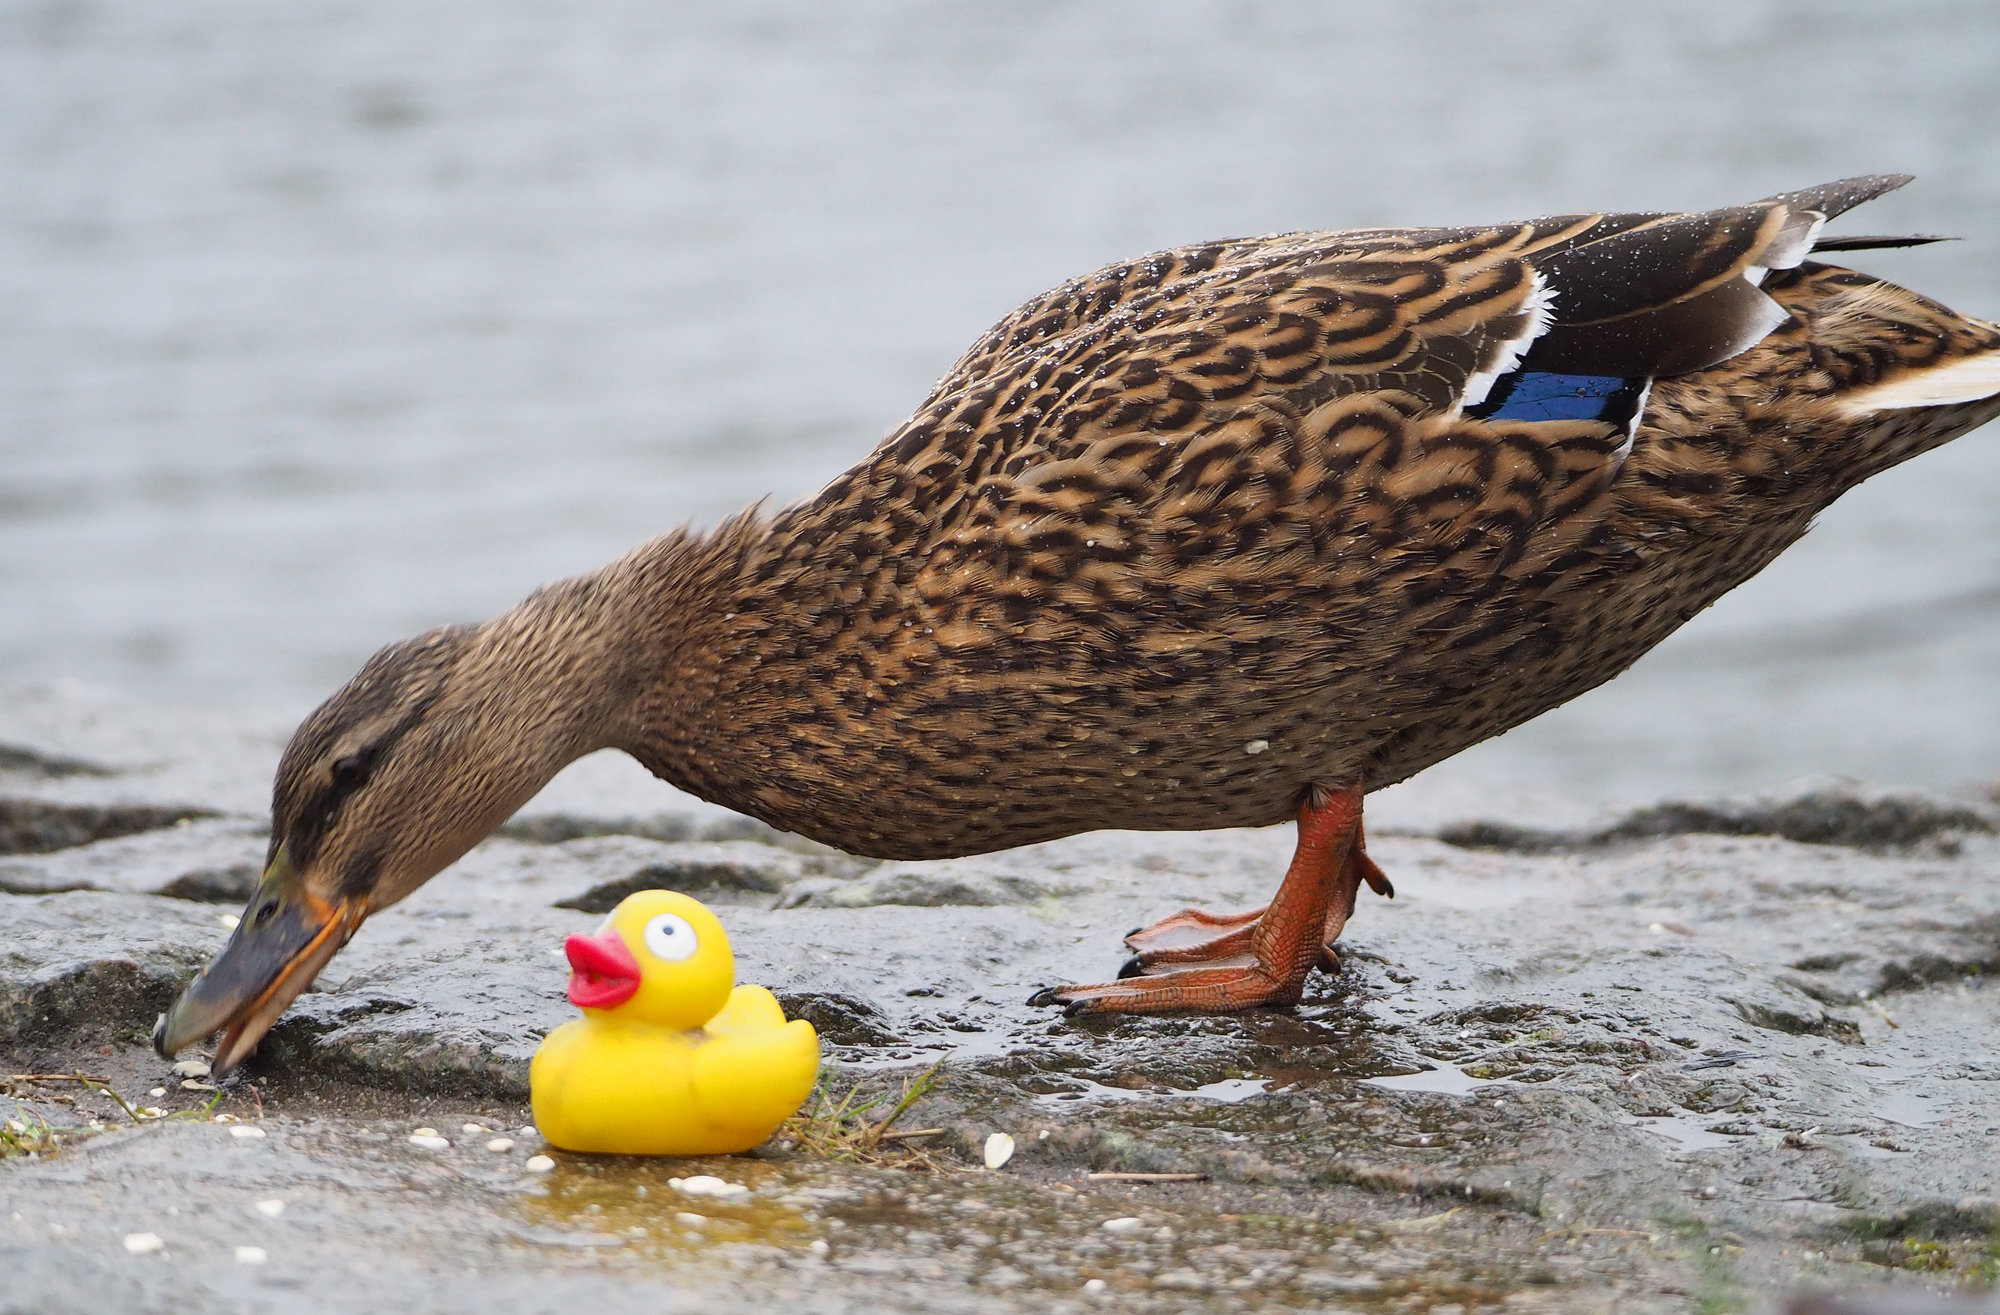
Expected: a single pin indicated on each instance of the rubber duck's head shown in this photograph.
(660, 957)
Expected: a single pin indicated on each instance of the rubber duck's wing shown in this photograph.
(748, 1010)
(756, 1079)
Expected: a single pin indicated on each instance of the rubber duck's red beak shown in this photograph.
(603, 973)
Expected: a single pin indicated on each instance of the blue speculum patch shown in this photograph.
(1537, 395)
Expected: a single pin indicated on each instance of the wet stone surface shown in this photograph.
(1662, 1068)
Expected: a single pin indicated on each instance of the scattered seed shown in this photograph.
(157, 1091)
(192, 1068)
(540, 1164)
(423, 1132)
(271, 1209)
(691, 1221)
(151, 1112)
(1256, 747)
(819, 1247)
(472, 1127)
(1093, 1286)
(499, 1144)
(229, 920)
(702, 1184)
(251, 1255)
(140, 1244)
(225, 1118)
(999, 1150)
(195, 1084)
(246, 1131)
(1127, 1224)
(432, 1143)
(1876, 1005)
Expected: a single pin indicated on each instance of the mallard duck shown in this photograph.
(1216, 537)
(671, 1057)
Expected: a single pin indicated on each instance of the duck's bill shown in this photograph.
(286, 936)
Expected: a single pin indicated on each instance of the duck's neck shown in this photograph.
(629, 657)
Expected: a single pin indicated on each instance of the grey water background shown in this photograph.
(322, 323)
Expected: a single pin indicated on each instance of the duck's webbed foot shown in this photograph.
(1196, 938)
(1202, 962)
(1193, 937)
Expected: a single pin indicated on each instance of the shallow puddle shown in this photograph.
(1446, 1079)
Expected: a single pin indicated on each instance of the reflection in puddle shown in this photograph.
(1689, 1133)
(1228, 1091)
(1910, 1110)
(1446, 1079)
(628, 1203)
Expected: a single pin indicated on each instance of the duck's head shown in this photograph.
(660, 957)
(433, 744)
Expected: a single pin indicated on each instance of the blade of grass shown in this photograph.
(922, 1086)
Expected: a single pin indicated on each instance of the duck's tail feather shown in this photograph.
(1837, 198)
(1679, 293)
(1871, 241)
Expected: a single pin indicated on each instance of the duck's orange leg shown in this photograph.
(1258, 959)
(1196, 936)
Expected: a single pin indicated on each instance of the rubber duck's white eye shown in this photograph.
(669, 937)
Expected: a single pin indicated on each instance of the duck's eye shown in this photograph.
(669, 937)
(350, 770)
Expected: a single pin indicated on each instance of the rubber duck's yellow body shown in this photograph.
(670, 1056)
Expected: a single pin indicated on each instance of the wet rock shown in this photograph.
(672, 828)
(33, 762)
(1777, 1015)
(1893, 1303)
(840, 1020)
(190, 858)
(1595, 1037)
(234, 884)
(732, 872)
(976, 882)
(1848, 815)
(85, 964)
(33, 826)
(556, 828)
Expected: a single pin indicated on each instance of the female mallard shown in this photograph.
(1206, 539)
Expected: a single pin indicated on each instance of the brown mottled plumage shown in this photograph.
(1182, 544)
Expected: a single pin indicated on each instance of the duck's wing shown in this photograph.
(756, 1079)
(1386, 298)
(749, 1009)
(1180, 345)
(1170, 386)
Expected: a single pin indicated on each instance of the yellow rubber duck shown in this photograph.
(670, 1056)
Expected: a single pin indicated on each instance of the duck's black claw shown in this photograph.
(1132, 967)
(1045, 996)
